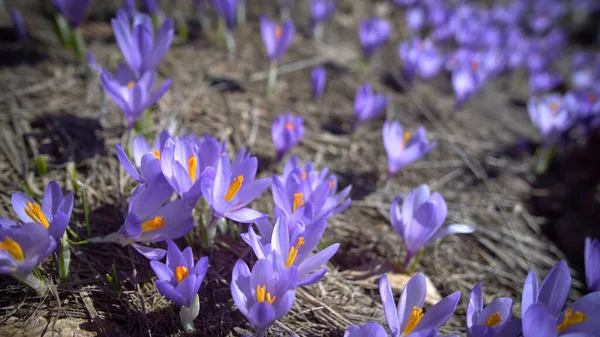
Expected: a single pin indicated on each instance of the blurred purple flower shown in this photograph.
(550, 115)
(321, 10)
(592, 264)
(318, 79)
(19, 24)
(368, 104)
(287, 131)
(130, 8)
(373, 33)
(404, 148)
(266, 294)
(54, 213)
(544, 81)
(586, 105)
(492, 320)
(179, 279)
(147, 159)
(420, 57)
(142, 49)
(227, 9)
(405, 3)
(545, 15)
(151, 6)
(294, 248)
(415, 19)
(23, 247)
(233, 188)
(131, 95)
(466, 82)
(419, 220)
(276, 38)
(371, 329)
(408, 319)
(72, 10)
(183, 168)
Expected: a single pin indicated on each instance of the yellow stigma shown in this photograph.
(181, 272)
(130, 85)
(571, 319)
(235, 186)
(34, 211)
(405, 140)
(413, 320)
(262, 294)
(493, 320)
(294, 252)
(156, 153)
(278, 32)
(13, 248)
(298, 201)
(303, 175)
(153, 224)
(192, 163)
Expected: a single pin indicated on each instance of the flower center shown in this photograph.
(571, 319)
(235, 186)
(278, 32)
(413, 320)
(156, 153)
(474, 66)
(13, 248)
(192, 164)
(303, 175)
(331, 184)
(294, 252)
(298, 201)
(34, 211)
(262, 294)
(493, 320)
(130, 85)
(181, 272)
(554, 108)
(153, 224)
(290, 126)
(405, 140)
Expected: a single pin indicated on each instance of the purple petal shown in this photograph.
(452, 229)
(530, 292)
(412, 296)
(162, 271)
(127, 165)
(440, 313)
(150, 253)
(538, 322)
(317, 260)
(244, 215)
(475, 305)
(554, 290)
(389, 306)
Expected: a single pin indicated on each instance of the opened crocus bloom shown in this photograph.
(542, 307)
(179, 278)
(294, 246)
(132, 96)
(368, 104)
(54, 212)
(420, 57)
(287, 131)
(550, 115)
(146, 159)
(267, 293)
(403, 147)
(23, 247)
(410, 318)
(492, 320)
(233, 188)
(276, 38)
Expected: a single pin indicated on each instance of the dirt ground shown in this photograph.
(49, 106)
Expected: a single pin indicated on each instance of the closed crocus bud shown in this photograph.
(368, 104)
(287, 131)
(321, 10)
(318, 79)
(72, 10)
(373, 33)
(19, 24)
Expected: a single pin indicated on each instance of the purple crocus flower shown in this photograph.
(420, 57)
(179, 278)
(492, 320)
(72, 10)
(318, 79)
(373, 33)
(142, 49)
(130, 8)
(227, 9)
(542, 307)
(550, 115)
(23, 247)
(368, 104)
(592, 264)
(183, 168)
(415, 18)
(466, 81)
(266, 294)
(293, 246)
(586, 105)
(150, 220)
(408, 319)
(133, 97)
(233, 188)
(404, 148)
(321, 10)
(287, 131)
(147, 159)
(19, 24)
(276, 38)
(544, 81)
(370, 329)
(419, 220)
(53, 214)
(151, 6)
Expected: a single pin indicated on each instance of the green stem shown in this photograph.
(37, 284)
(415, 260)
(64, 258)
(543, 157)
(272, 79)
(79, 46)
(63, 30)
(230, 41)
(241, 12)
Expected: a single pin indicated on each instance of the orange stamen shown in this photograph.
(130, 85)
(298, 201)
(405, 140)
(34, 211)
(290, 126)
(153, 224)
(278, 32)
(192, 164)
(234, 188)
(261, 294)
(13, 248)
(181, 272)
(413, 320)
(493, 320)
(294, 252)
(156, 153)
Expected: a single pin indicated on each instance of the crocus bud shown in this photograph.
(318, 79)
